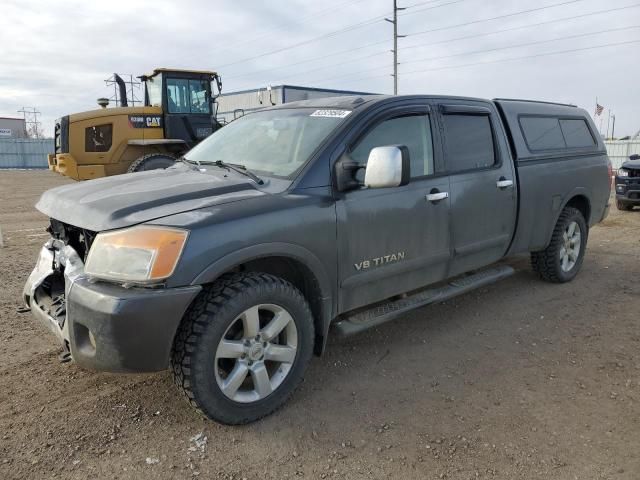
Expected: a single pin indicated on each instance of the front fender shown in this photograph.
(277, 249)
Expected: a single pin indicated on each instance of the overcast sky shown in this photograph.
(56, 54)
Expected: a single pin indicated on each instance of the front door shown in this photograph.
(483, 184)
(393, 240)
(188, 109)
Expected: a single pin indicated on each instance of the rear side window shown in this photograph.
(542, 133)
(576, 133)
(469, 142)
(553, 133)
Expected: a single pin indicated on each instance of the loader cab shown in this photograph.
(187, 99)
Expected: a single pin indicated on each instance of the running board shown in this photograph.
(384, 312)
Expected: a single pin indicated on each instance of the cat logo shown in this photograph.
(145, 121)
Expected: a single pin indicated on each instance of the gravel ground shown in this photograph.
(519, 380)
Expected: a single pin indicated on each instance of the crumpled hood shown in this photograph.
(124, 200)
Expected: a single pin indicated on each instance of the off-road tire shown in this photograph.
(623, 206)
(205, 323)
(152, 161)
(546, 263)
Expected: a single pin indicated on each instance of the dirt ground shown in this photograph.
(519, 380)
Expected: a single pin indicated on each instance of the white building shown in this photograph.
(12, 128)
(235, 104)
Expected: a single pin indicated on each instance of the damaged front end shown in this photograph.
(60, 263)
(101, 325)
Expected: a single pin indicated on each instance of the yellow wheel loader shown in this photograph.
(178, 112)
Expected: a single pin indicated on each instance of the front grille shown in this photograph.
(79, 239)
(632, 172)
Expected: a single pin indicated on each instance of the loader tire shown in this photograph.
(152, 161)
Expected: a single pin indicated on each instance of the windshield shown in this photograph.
(154, 90)
(273, 142)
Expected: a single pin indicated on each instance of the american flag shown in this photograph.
(599, 109)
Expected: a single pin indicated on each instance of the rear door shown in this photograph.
(392, 240)
(483, 184)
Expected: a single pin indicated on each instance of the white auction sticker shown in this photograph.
(331, 113)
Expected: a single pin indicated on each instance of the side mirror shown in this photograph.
(635, 156)
(387, 167)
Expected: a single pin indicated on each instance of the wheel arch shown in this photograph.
(579, 199)
(294, 264)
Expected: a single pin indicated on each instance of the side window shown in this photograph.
(576, 133)
(199, 97)
(178, 95)
(98, 138)
(542, 133)
(413, 131)
(468, 142)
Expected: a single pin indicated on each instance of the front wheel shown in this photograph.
(562, 259)
(243, 347)
(623, 206)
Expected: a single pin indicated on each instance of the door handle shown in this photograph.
(437, 196)
(504, 183)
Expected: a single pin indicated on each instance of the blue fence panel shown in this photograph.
(25, 152)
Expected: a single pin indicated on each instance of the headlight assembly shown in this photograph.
(622, 172)
(140, 254)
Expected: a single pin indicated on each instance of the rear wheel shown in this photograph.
(562, 259)
(243, 347)
(152, 161)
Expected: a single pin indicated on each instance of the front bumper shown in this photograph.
(66, 164)
(628, 190)
(106, 327)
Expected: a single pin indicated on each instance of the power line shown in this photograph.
(421, 45)
(429, 8)
(348, 28)
(573, 50)
(524, 57)
(493, 49)
(308, 60)
(520, 27)
(306, 19)
(539, 42)
(483, 20)
(306, 72)
(422, 3)
(336, 53)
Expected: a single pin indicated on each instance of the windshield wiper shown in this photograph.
(241, 169)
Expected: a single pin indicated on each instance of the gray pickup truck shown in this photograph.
(337, 214)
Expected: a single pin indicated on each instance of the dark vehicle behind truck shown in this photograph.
(334, 214)
(627, 182)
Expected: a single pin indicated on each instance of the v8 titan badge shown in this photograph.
(145, 121)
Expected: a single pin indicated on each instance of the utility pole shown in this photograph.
(395, 44)
(31, 123)
(608, 122)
